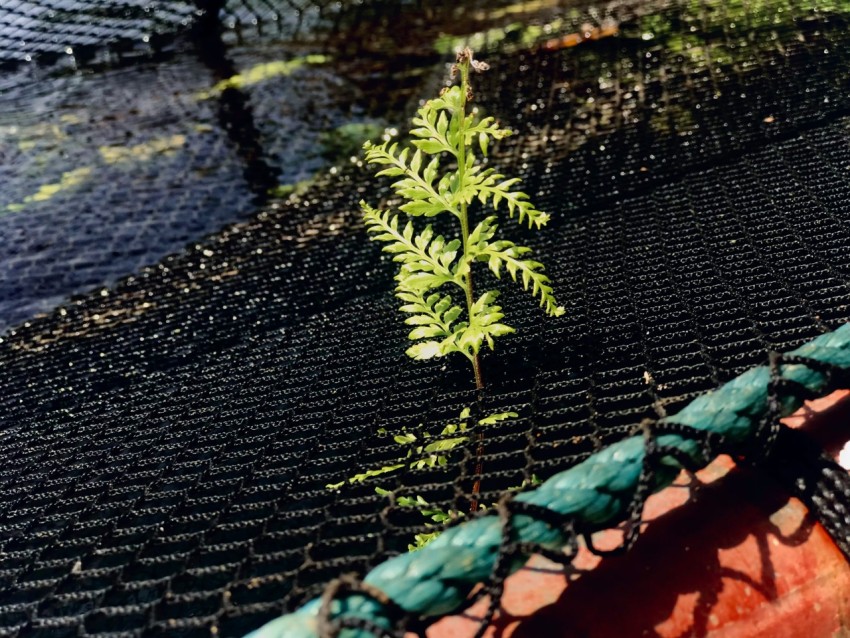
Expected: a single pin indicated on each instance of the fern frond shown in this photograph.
(416, 185)
(426, 260)
(451, 101)
(436, 134)
(485, 130)
(429, 511)
(421, 455)
(422, 540)
(362, 476)
(489, 185)
(503, 253)
(498, 416)
(435, 453)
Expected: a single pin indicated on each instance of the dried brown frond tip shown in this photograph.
(465, 55)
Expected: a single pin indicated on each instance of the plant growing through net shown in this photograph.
(442, 175)
(420, 450)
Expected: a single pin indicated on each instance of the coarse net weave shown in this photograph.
(166, 435)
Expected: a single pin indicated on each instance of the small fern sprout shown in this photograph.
(441, 175)
(420, 450)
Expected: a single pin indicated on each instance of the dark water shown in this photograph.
(107, 168)
(123, 137)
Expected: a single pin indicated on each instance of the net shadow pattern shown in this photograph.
(166, 442)
(86, 33)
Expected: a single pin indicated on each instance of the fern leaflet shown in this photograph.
(416, 185)
(433, 317)
(504, 253)
(426, 260)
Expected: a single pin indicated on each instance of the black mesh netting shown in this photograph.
(166, 440)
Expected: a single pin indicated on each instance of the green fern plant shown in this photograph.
(422, 450)
(442, 175)
(422, 454)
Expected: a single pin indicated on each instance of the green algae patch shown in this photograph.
(68, 180)
(261, 73)
(142, 152)
(112, 155)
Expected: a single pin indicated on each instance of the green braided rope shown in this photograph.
(436, 580)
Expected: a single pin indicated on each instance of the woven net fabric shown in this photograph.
(50, 29)
(166, 436)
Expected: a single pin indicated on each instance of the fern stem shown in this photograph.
(464, 218)
(470, 298)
